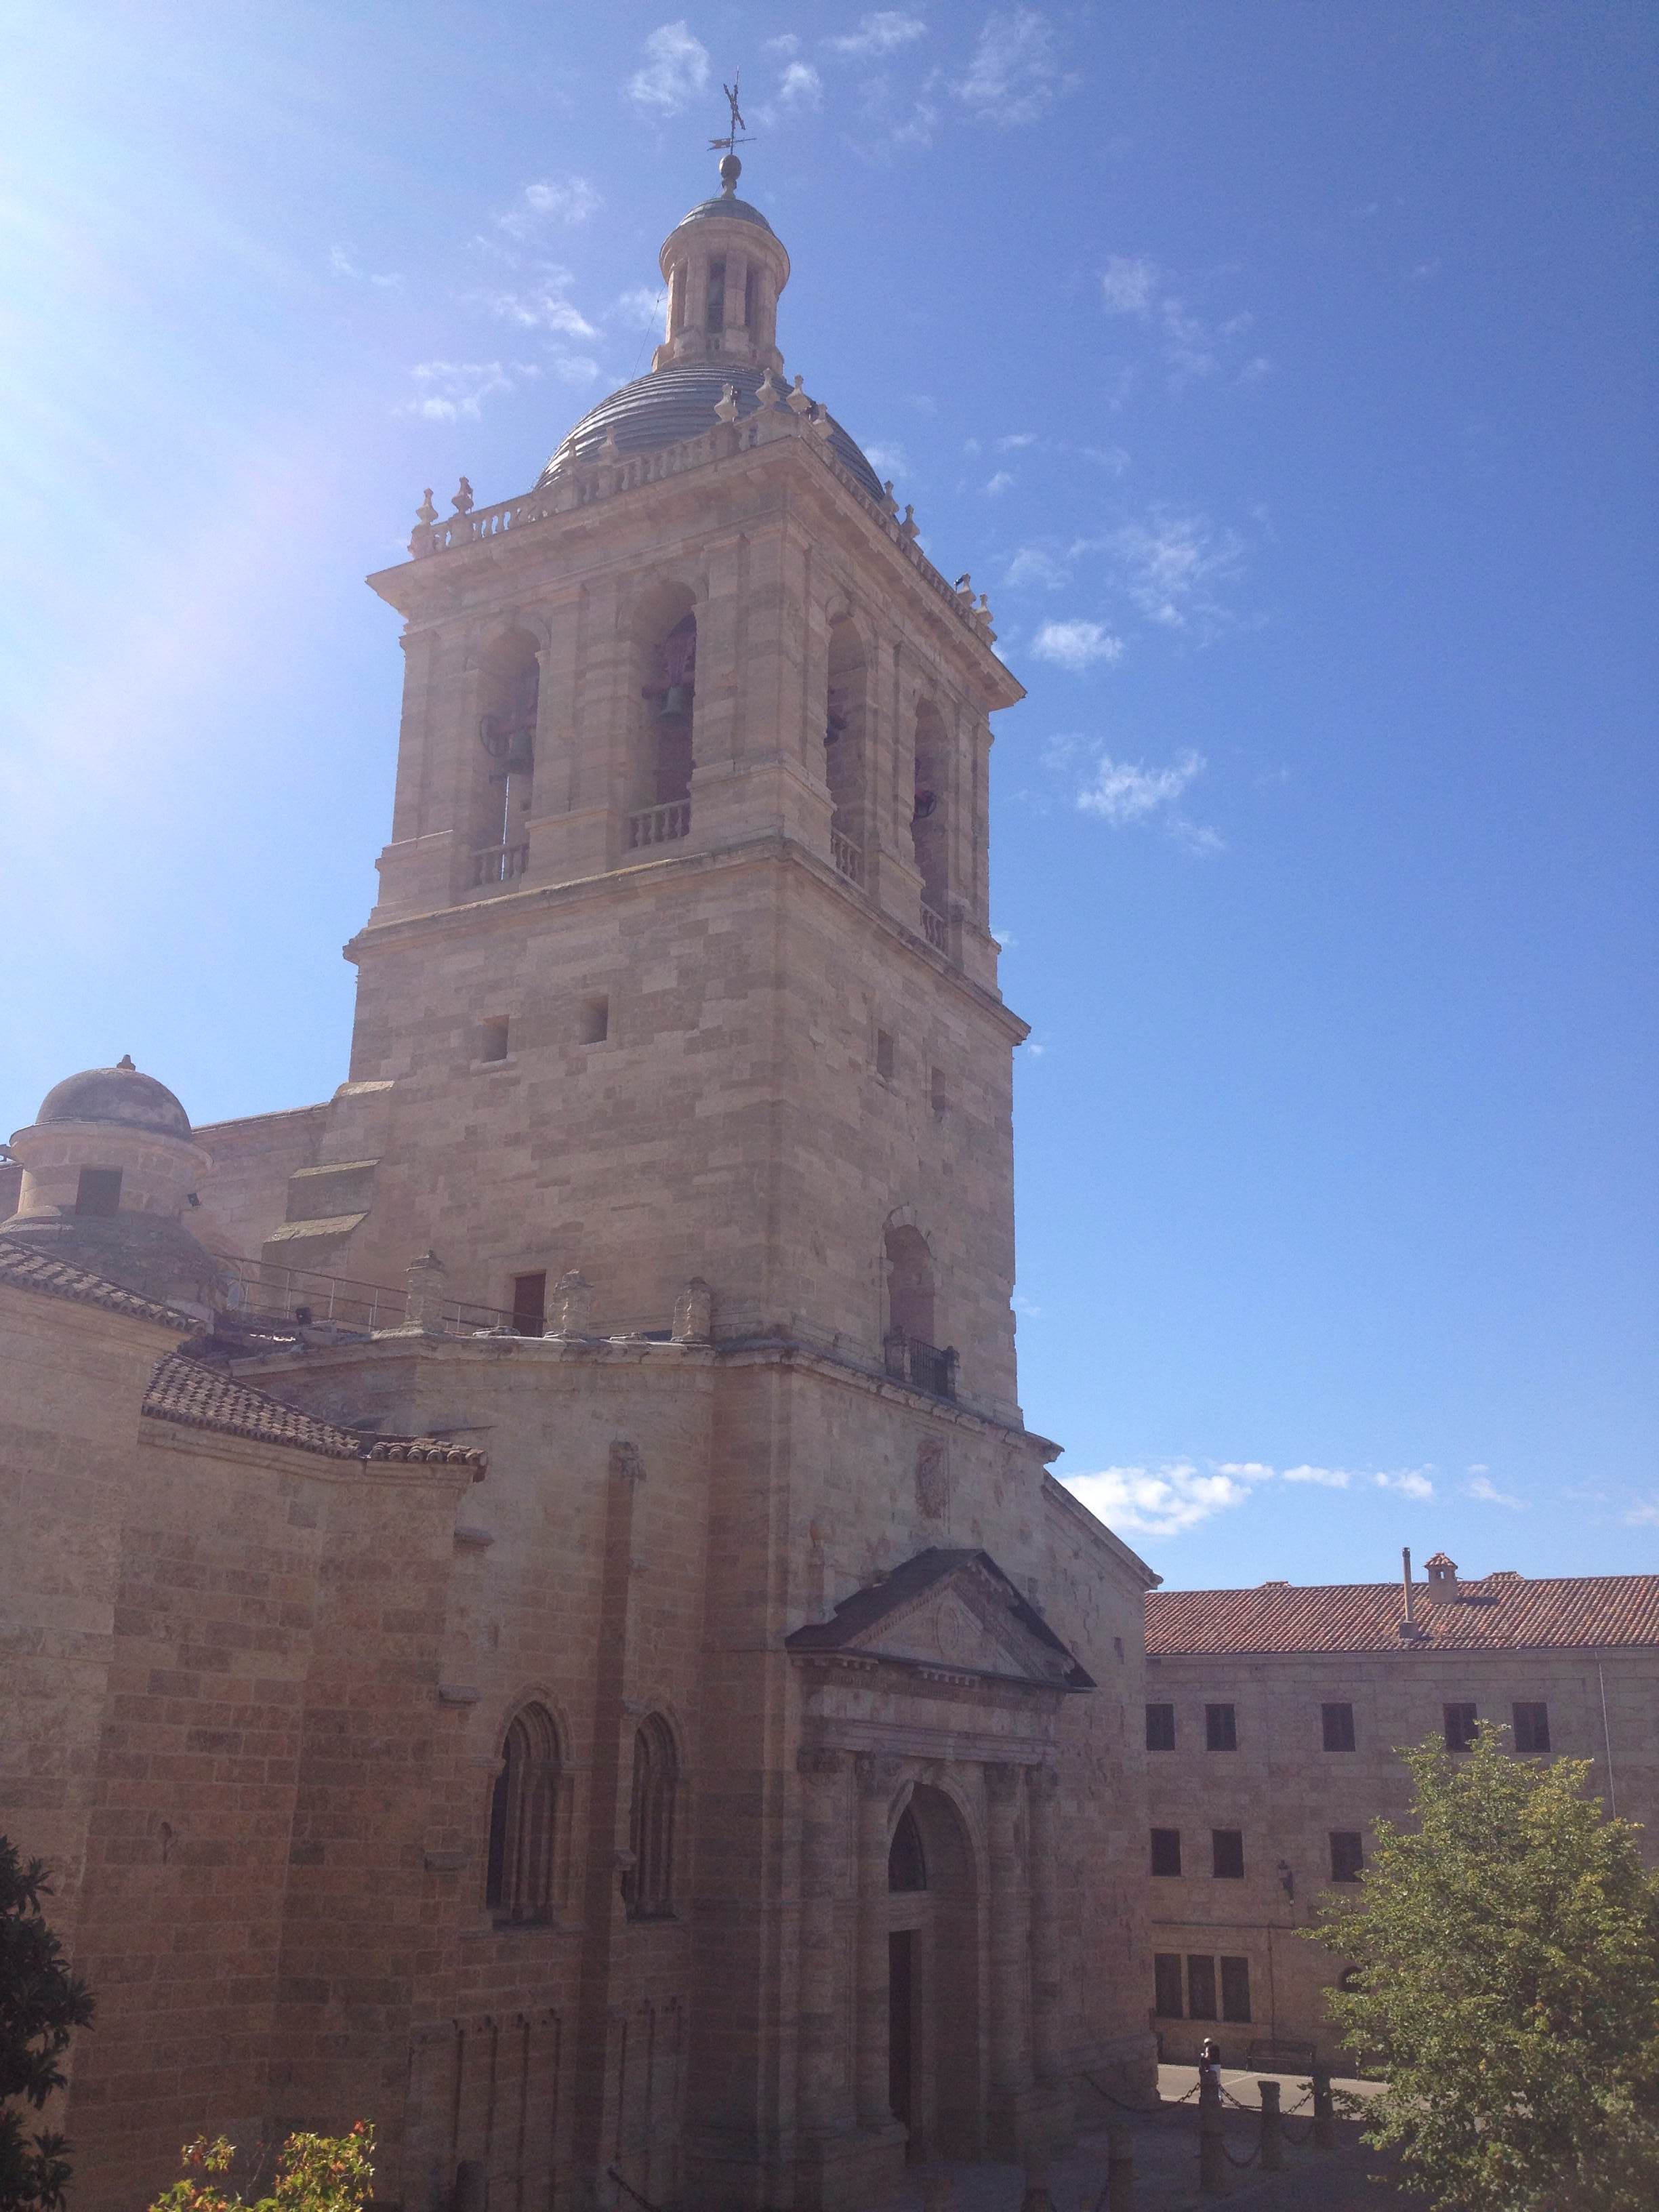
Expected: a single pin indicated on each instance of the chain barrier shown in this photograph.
(1232, 2160)
(1166, 2105)
(644, 2202)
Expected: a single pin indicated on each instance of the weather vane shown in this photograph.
(738, 127)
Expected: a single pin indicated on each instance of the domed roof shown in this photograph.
(117, 1094)
(724, 203)
(677, 402)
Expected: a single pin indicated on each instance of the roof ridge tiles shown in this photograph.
(195, 1396)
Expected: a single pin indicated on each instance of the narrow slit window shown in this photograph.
(98, 1191)
(1337, 1723)
(938, 1094)
(1166, 1850)
(1160, 1728)
(1220, 1728)
(596, 1021)
(885, 1060)
(1166, 1984)
(1235, 1988)
(717, 295)
(530, 1304)
(493, 1034)
(1200, 1988)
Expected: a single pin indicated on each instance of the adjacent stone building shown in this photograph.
(1272, 1721)
(581, 1660)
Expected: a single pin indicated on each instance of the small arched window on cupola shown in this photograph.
(649, 1883)
(509, 691)
(523, 1818)
(845, 711)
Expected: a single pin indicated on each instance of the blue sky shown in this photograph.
(1281, 370)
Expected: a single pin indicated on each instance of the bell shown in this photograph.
(676, 699)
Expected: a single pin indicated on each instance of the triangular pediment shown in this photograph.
(949, 1612)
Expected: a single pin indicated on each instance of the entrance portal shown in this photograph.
(935, 2063)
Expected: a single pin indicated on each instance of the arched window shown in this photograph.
(648, 1884)
(928, 821)
(844, 746)
(907, 1862)
(523, 1804)
(665, 636)
(510, 690)
(909, 1285)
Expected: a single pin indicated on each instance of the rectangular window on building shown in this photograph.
(938, 1094)
(1200, 1988)
(1459, 1727)
(1160, 1728)
(1531, 1728)
(1220, 1728)
(596, 1020)
(98, 1191)
(1227, 1854)
(1348, 1855)
(1338, 1723)
(1166, 1984)
(1166, 1850)
(530, 1304)
(492, 1037)
(1235, 1988)
(885, 1057)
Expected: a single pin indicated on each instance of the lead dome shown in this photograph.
(121, 1095)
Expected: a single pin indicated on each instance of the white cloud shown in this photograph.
(542, 307)
(1129, 284)
(643, 308)
(1012, 77)
(343, 265)
(571, 368)
(1173, 566)
(802, 86)
(1111, 458)
(1251, 1470)
(1077, 645)
(451, 389)
(676, 70)
(883, 30)
(1122, 791)
(1643, 1516)
(1329, 1477)
(1410, 1484)
(1033, 564)
(787, 44)
(1015, 440)
(999, 482)
(1487, 1490)
(1164, 1501)
(570, 201)
(887, 459)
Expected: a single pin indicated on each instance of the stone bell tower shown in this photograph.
(678, 1040)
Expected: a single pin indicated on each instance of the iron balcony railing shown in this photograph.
(925, 1366)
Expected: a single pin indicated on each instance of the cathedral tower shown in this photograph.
(780, 1783)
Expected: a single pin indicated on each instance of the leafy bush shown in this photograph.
(314, 2173)
(42, 2005)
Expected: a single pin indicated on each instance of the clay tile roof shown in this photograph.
(198, 1396)
(29, 1270)
(1504, 1612)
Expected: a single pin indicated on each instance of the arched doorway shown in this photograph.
(934, 2060)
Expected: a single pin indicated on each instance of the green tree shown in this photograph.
(1508, 1988)
(314, 2173)
(42, 2005)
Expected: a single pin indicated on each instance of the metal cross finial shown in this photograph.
(738, 127)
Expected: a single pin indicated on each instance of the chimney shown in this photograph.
(1443, 1580)
(1409, 1630)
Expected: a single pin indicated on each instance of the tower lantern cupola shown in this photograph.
(724, 268)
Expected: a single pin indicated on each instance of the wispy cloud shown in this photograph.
(448, 390)
(1013, 77)
(1174, 568)
(343, 264)
(1410, 1482)
(675, 70)
(541, 305)
(1644, 1516)
(882, 31)
(1329, 1478)
(887, 457)
(641, 308)
(1016, 441)
(802, 87)
(1036, 564)
(1170, 1498)
(1000, 482)
(1192, 347)
(1127, 793)
(1077, 645)
(567, 202)
(1483, 1487)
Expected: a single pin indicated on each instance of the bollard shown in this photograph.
(1324, 2112)
(1212, 2150)
(1272, 2143)
(1120, 2167)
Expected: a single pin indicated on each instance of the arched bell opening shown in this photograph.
(846, 710)
(934, 2067)
(510, 694)
(664, 644)
(929, 833)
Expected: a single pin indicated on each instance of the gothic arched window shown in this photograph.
(523, 1805)
(648, 1884)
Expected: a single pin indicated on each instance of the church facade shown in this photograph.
(698, 1742)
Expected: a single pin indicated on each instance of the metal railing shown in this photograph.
(925, 1366)
(262, 1294)
(659, 825)
(935, 929)
(500, 864)
(848, 857)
